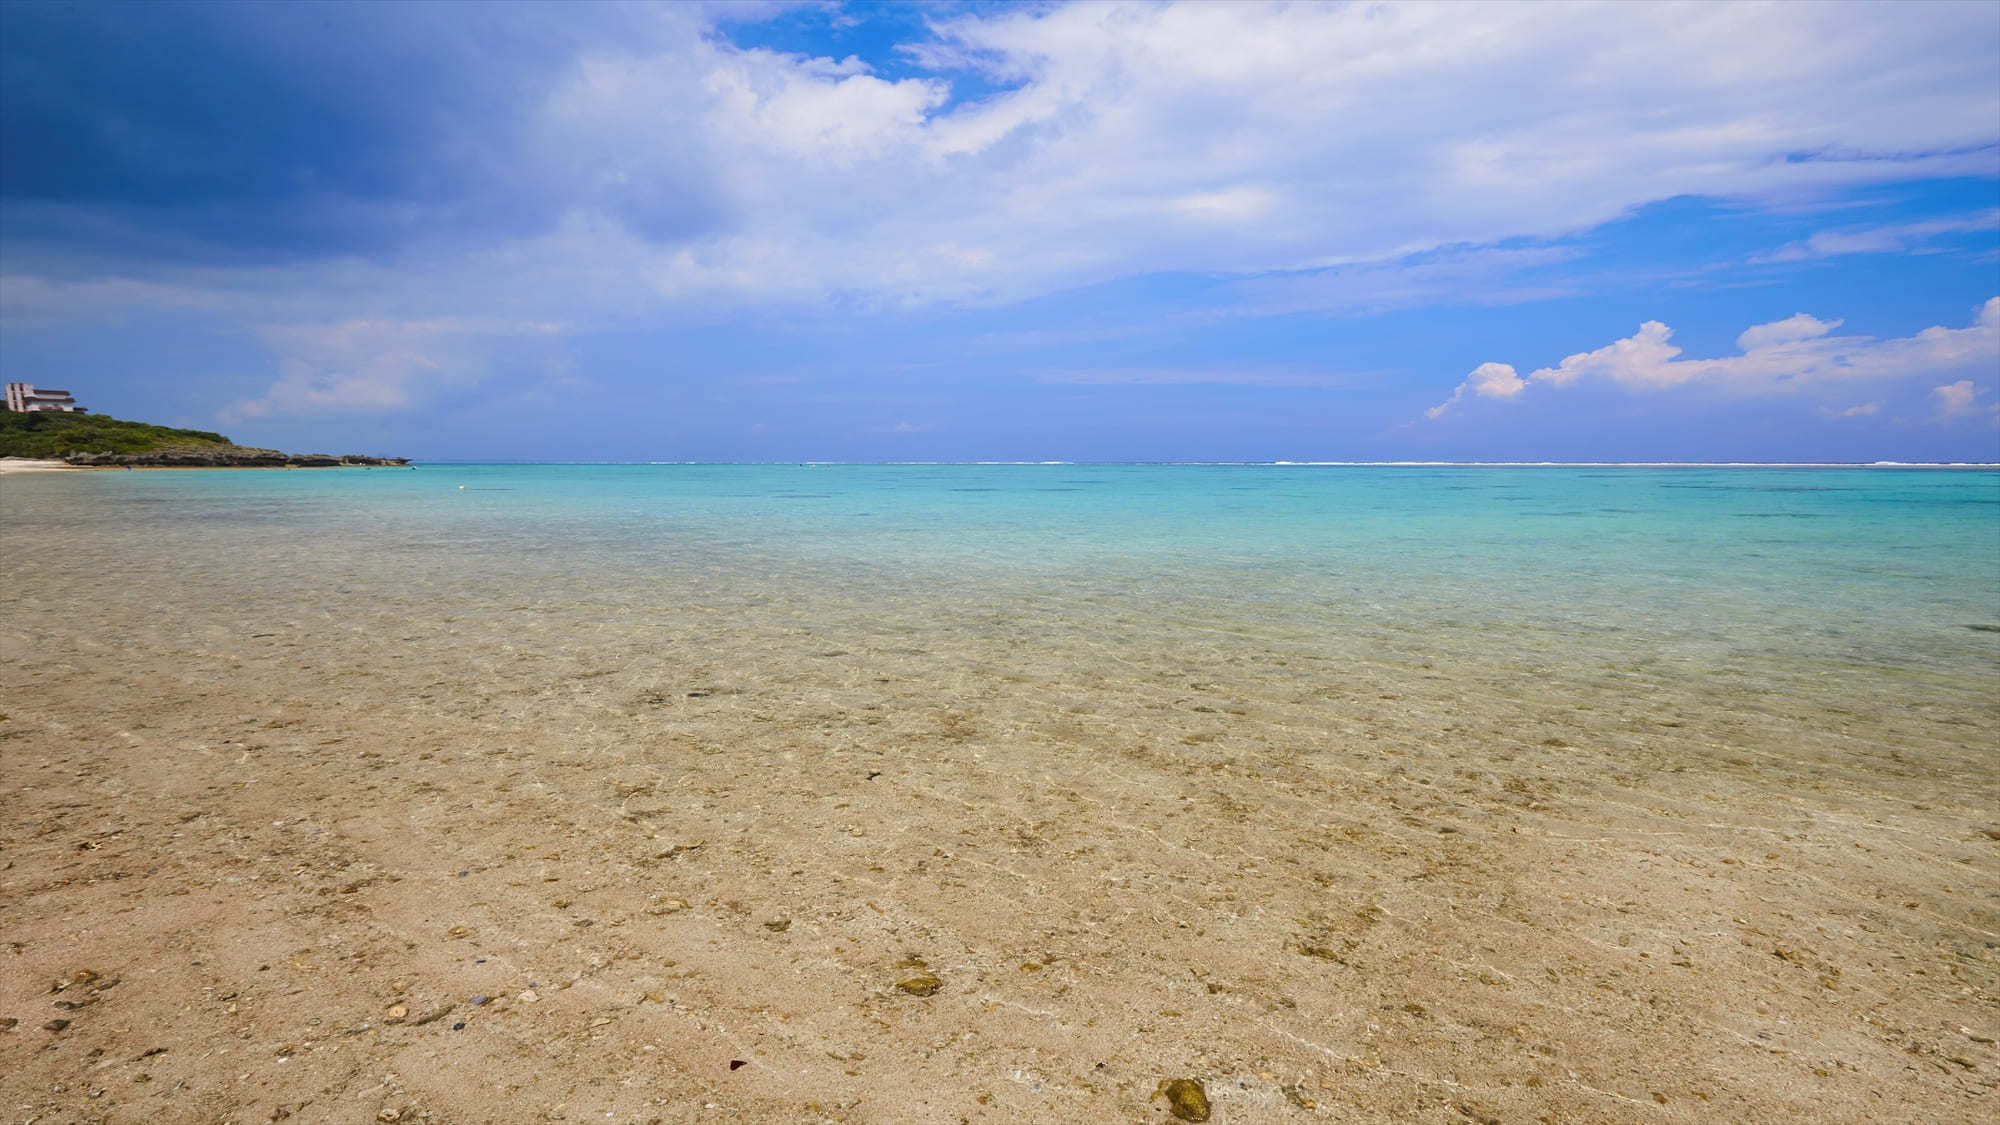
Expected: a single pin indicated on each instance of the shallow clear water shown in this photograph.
(1843, 590)
(1855, 550)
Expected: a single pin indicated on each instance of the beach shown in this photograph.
(681, 797)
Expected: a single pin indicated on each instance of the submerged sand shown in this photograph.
(332, 832)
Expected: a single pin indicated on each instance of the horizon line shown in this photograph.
(810, 462)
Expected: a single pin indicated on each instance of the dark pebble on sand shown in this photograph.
(480, 1000)
(459, 1026)
(55, 1025)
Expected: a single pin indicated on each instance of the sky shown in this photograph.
(978, 231)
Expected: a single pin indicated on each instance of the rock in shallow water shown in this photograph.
(1186, 1098)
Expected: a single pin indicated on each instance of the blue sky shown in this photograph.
(992, 231)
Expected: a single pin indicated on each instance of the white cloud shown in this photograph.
(1794, 329)
(1958, 401)
(1488, 380)
(1246, 138)
(1236, 204)
(1785, 355)
(1326, 157)
(371, 366)
(1955, 398)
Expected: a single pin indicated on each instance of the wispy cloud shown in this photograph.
(372, 366)
(1896, 238)
(1456, 275)
(23, 295)
(1186, 377)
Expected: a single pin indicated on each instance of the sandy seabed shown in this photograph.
(351, 832)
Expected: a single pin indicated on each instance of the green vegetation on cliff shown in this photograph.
(50, 434)
(101, 441)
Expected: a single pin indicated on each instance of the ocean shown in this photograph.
(1822, 572)
(1843, 599)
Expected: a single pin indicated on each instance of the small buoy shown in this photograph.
(461, 488)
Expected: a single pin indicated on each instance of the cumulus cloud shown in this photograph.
(1794, 329)
(1784, 355)
(1959, 401)
(371, 366)
(1488, 380)
(1955, 398)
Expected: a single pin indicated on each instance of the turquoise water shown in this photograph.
(1853, 551)
(1702, 580)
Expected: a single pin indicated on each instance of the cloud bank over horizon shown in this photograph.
(1795, 355)
(363, 206)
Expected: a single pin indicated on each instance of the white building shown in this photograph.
(23, 398)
